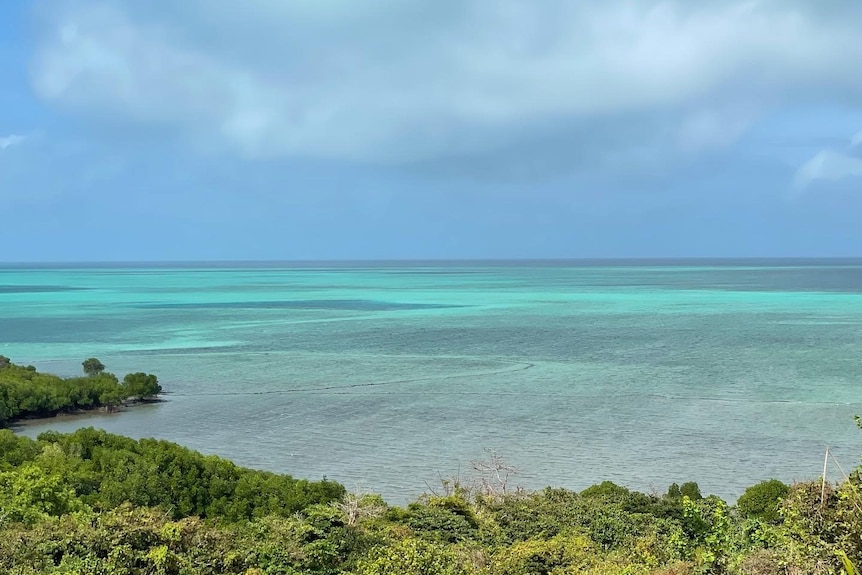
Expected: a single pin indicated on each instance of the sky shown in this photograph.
(429, 129)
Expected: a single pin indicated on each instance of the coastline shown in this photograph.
(79, 414)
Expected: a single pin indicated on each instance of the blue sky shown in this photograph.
(334, 129)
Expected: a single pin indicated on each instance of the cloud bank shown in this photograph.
(411, 80)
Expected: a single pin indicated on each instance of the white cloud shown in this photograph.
(412, 79)
(830, 165)
(827, 165)
(10, 140)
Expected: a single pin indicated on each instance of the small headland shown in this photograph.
(27, 394)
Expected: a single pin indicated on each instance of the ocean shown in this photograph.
(388, 377)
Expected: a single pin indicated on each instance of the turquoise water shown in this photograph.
(388, 377)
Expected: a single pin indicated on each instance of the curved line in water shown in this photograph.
(521, 366)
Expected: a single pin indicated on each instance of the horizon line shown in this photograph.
(390, 261)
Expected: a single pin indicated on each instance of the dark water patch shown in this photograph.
(335, 304)
(284, 285)
(182, 351)
(99, 330)
(245, 288)
(438, 272)
(38, 289)
(740, 341)
(835, 279)
(827, 279)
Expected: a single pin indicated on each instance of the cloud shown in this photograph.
(10, 140)
(413, 80)
(712, 129)
(829, 165)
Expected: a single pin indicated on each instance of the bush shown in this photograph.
(440, 521)
(545, 556)
(691, 490)
(412, 557)
(761, 501)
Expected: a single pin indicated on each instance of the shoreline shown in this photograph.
(26, 421)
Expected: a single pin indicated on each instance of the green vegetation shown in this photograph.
(763, 501)
(92, 366)
(24, 392)
(141, 385)
(95, 503)
(92, 502)
(95, 470)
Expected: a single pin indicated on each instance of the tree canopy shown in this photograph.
(25, 392)
(92, 366)
(93, 502)
(141, 385)
(104, 471)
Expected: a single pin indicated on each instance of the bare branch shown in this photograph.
(494, 474)
(356, 506)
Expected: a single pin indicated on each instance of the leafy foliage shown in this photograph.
(26, 392)
(92, 366)
(141, 385)
(104, 471)
(92, 502)
(761, 501)
(412, 556)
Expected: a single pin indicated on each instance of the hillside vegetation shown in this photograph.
(95, 503)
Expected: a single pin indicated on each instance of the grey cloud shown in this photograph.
(415, 81)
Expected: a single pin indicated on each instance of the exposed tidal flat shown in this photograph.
(387, 376)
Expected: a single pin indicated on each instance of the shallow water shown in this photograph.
(387, 377)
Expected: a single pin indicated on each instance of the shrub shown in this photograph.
(761, 501)
(412, 557)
